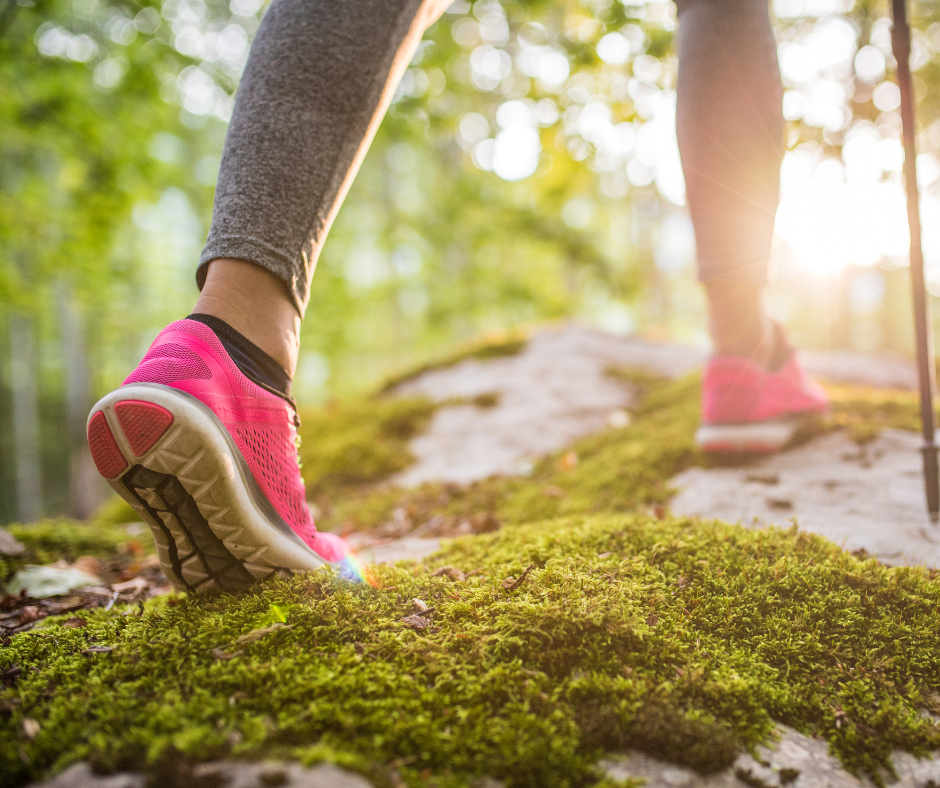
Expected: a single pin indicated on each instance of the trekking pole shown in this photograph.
(923, 327)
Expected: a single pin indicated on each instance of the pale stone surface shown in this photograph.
(810, 758)
(554, 391)
(410, 548)
(9, 544)
(869, 497)
(557, 389)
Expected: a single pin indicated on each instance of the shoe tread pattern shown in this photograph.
(195, 554)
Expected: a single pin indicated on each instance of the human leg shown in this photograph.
(319, 79)
(731, 138)
(202, 437)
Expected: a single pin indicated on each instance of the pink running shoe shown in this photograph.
(746, 409)
(209, 460)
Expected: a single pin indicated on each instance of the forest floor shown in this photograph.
(572, 628)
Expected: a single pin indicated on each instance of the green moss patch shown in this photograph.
(62, 539)
(612, 471)
(615, 470)
(863, 412)
(596, 623)
(346, 446)
(680, 638)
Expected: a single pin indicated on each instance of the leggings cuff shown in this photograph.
(252, 250)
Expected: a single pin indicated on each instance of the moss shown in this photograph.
(612, 471)
(684, 639)
(349, 445)
(58, 539)
(115, 511)
(495, 345)
(681, 638)
(863, 412)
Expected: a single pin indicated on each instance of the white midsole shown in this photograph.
(197, 450)
(769, 434)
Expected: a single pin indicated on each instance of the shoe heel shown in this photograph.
(143, 423)
(104, 449)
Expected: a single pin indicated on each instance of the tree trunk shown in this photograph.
(26, 447)
(85, 486)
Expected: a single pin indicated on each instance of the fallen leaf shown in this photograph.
(135, 584)
(87, 564)
(29, 614)
(485, 522)
(652, 620)
(419, 604)
(511, 583)
(257, 634)
(75, 622)
(223, 655)
(98, 650)
(451, 572)
(43, 581)
(415, 621)
(30, 727)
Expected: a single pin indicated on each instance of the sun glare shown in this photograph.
(851, 211)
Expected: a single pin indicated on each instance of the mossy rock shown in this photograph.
(681, 638)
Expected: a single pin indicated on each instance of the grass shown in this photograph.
(680, 638)
(683, 638)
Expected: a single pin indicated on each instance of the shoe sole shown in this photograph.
(761, 437)
(171, 458)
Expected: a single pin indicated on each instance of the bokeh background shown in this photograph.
(527, 171)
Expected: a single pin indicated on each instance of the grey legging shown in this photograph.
(321, 74)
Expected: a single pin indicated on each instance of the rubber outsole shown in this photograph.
(166, 454)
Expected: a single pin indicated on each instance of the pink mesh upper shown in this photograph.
(736, 391)
(188, 356)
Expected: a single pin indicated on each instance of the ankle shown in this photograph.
(739, 324)
(255, 303)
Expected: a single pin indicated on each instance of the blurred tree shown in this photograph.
(527, 170)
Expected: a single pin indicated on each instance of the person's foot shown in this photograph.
(209, 460)
(748, 409)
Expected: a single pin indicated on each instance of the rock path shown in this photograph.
(793, 761)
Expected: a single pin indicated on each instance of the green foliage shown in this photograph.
(684, 639)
